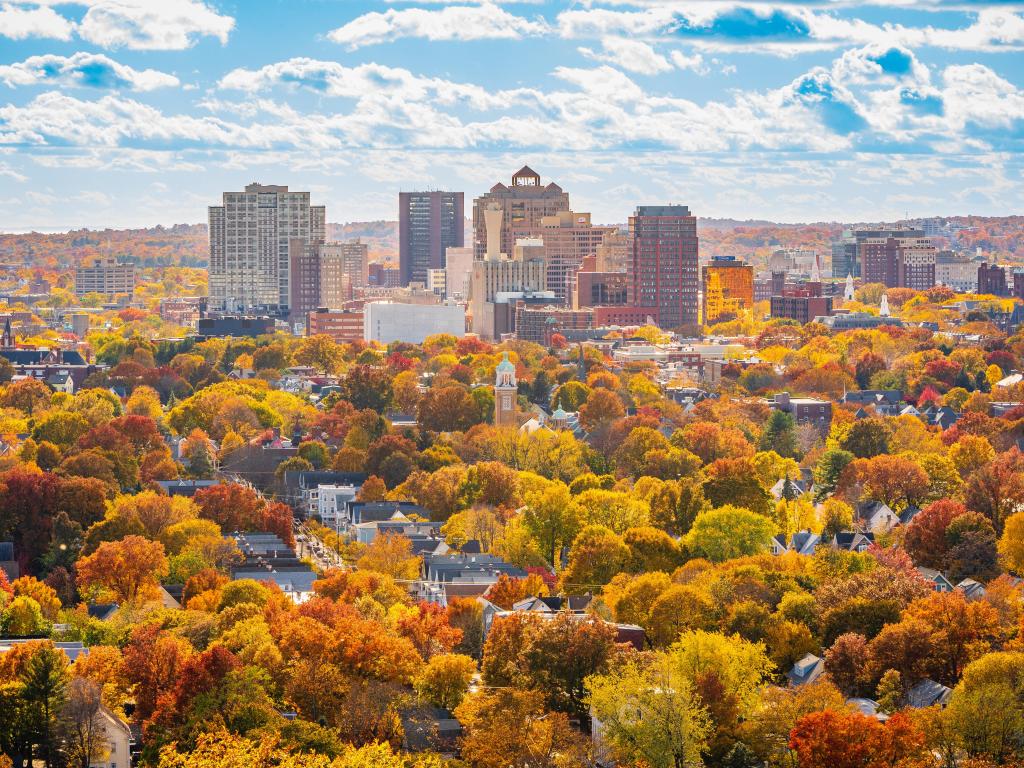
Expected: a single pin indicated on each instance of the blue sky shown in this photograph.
(140, 112)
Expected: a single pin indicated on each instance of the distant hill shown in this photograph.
(186, 244)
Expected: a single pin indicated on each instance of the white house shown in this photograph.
(118, 741)
(331, 503)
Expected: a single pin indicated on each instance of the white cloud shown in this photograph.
(83, 69)
(455, 22)
(6, 170)
(631, 55)
(152, 24)
(19, 22)
(135, 24)
(812, 27)
(694, 62)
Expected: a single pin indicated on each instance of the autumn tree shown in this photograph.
(650, 714)
(445, 680)
(510, 728)
(391, 555)
(129, 568)
(832, 739)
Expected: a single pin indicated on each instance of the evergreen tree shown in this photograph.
(780, 435)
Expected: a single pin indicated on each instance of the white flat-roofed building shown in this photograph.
(386, 322)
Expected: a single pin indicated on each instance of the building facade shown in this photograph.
(898, 262)
(386, 322)
(496, 279)
(665, 263)
(250, 245)
(523, 204)
(104, 275)
(568, 238)
(846, 251)
(428, 224)
(342, 325)
(325, 274)
(728, 288)
(991, 279)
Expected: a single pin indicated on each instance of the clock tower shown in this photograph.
(505, 393)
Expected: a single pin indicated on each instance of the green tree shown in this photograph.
(780, 435)
(727, 532)
(867, 438)
(827, 471)
(45, 678)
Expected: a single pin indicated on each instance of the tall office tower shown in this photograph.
(428, 224)
(898, 262)
(523, 205)
(665, 263)
(324, 275)
(568, 238)
(847, 250)
(728, 287)
(250, 237)
(498, 279)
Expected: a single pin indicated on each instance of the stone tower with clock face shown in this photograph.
(505, 392)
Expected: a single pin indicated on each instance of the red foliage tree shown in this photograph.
(925, 538)
(833, 739)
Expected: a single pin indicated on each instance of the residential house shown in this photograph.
(928, 693)
(804, 410)
(806, 670)
(939, 582)
(118, 738)
(268, 558)
(973, 590)
(853, 541)
(876, 516)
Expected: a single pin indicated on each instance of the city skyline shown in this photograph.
(126, 115)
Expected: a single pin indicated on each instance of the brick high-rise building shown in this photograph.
(568, 238)
(523, 204)
(325, 274)
(428, 224)
(991, 279)
(250, 240)
(898, 262)
(846, 251)
(665, 263)
(734, 291)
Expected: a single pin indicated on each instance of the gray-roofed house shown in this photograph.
(806, 670)
(939, 582)
(877, 516)
(973, 590)
(928, 693)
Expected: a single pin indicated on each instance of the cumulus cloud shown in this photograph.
(135, 24)
(20, 22)
(786, 30)
(631, 55)
(83, 69)
(454, 22)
